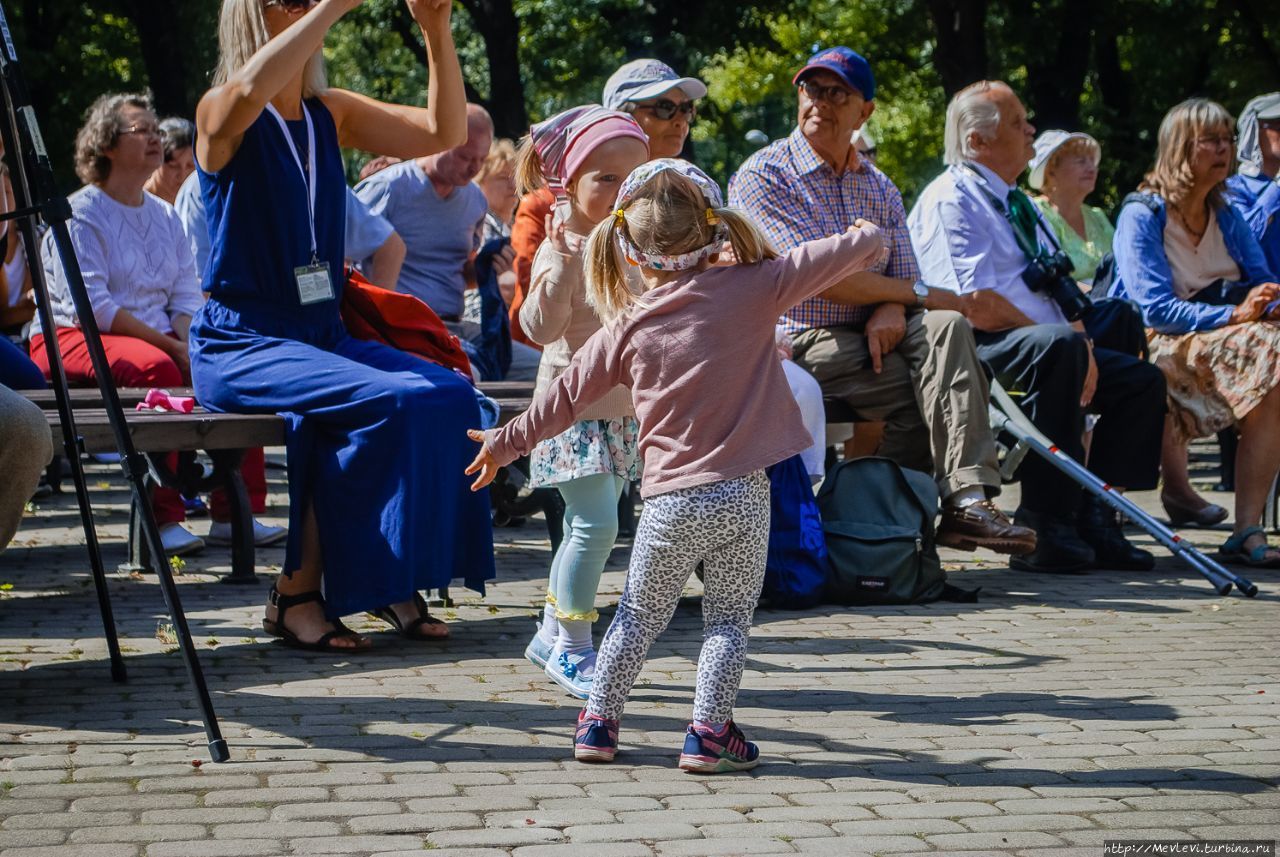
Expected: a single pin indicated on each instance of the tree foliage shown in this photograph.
(1109, 68)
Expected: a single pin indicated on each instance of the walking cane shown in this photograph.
(1007, 416)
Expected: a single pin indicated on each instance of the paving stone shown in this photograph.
(1123, 704)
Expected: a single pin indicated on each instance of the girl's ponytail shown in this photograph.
(607, 290)
(529, 174)
(749, 244)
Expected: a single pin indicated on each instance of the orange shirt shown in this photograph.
(526, 236)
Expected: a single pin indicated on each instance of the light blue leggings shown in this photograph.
(590, 528)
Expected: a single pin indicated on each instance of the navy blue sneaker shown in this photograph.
(708, 752)
(597, 739)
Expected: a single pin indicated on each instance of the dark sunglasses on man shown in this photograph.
(666, 109)
(834, 95)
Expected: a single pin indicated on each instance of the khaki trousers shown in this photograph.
(26, 446)
(931, 395)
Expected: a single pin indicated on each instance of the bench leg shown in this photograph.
(226, 474)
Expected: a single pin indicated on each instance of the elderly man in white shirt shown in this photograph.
(976, 233)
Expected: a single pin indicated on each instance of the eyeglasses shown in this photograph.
(292, 6)
(1269, 124)
(146, 129)
(1214, 141)
(666, 109)
(834, 95)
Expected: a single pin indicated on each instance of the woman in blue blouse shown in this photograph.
(379, 508)
(1190, 262)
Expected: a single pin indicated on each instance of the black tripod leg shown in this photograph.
(118, 672)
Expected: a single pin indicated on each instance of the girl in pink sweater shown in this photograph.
(714, 408)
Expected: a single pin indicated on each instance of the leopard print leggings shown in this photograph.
(725, 526)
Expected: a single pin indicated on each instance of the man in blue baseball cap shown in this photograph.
(867, 340)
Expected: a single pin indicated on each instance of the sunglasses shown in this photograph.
(292, 6)
(666, 109)
(834, 95)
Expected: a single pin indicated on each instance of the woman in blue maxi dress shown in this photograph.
(379, 507)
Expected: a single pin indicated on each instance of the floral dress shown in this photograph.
(587, 448)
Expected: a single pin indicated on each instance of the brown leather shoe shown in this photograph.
(982, 524)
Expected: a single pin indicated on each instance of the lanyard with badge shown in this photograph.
(313, 280)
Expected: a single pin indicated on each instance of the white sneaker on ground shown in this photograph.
(263, 534)
(178, 540)
(573, 672)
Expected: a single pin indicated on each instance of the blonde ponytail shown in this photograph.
(607, 290)
(529, 175)
(749, 244)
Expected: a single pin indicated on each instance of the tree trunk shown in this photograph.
(495, 20)
(166, 56)
(961, 53)
(1055, 83)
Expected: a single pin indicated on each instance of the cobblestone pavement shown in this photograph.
(1053, 714)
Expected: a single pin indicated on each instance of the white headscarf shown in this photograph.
(1248, 151)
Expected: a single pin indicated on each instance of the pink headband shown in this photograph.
(564, 141)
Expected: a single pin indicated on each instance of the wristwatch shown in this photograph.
(922, 292)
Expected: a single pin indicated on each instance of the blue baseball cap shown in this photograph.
(848, 65)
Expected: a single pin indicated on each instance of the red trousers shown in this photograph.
(135, 363)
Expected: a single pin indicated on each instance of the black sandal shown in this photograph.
(410, 631)
(277, 628)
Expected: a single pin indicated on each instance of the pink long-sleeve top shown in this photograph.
(708, 388)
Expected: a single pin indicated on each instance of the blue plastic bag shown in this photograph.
(796, 571)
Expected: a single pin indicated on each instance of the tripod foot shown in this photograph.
(218, 750)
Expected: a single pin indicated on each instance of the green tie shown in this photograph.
(1024, 217)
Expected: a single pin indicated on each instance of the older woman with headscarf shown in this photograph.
(1253, 190)
(1190, 262)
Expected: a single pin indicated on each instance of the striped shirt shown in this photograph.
(794, 196)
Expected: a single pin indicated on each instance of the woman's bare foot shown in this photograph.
(307, 622)
(413, 621)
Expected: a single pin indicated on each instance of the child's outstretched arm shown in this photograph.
(593, 372)
(814, 266)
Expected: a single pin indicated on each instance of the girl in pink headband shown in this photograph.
(583, 155)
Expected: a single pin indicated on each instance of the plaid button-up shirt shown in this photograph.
(794, 196)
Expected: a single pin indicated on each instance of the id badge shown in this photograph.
(314, 285)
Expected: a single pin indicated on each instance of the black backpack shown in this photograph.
(879, 522)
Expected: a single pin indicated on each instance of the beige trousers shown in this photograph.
(26, 447)
(931, 395)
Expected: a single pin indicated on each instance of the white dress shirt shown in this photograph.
(964, 243)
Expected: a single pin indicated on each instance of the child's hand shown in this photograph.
(558, 235)
(484, 462)
(869, 228)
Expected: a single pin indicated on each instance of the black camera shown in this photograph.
(1051, 273)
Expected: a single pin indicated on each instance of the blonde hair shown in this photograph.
(667, 215)
(101, 131)
(529, 174)
(502, 154)
(1172, 177)
(1076, 145)
(242, 32)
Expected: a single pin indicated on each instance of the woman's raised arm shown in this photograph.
(226, 111)
(400, 130)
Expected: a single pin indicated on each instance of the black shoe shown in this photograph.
(1059, 550)
(1100, 527)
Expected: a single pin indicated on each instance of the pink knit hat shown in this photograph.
(567, 139)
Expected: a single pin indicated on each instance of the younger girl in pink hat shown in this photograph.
(582, 155)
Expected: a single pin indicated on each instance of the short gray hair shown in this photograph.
(971, 111)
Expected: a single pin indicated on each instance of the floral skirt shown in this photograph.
(587, 448)
(1216, 377)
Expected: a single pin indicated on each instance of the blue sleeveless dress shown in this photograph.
(376, 437)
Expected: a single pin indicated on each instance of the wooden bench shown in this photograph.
(224, 437)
